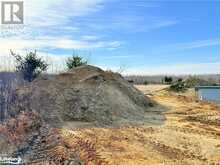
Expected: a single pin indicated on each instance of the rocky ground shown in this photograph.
(190, 134)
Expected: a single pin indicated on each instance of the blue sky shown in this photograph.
(141, 36)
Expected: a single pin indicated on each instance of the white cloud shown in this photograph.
(116, 57)
(90, 38)
(176, 69)
(41, 13)
(184, 46)
(131, 23)
(55, 12)
(49, 17)
(197, 44)
(38, 43)
(162, 23)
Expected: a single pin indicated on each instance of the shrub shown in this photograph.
(179, 86)
(30, 66)
(75, 61)
(168, 80)
(193, 81)
(146, 83)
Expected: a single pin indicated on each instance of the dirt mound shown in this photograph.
(85, 94)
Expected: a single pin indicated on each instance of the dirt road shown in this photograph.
(189, 135)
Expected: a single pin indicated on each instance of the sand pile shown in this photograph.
(86, 94)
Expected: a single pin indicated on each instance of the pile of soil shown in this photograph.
(85, 93)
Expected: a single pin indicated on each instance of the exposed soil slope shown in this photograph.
(85, 93)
